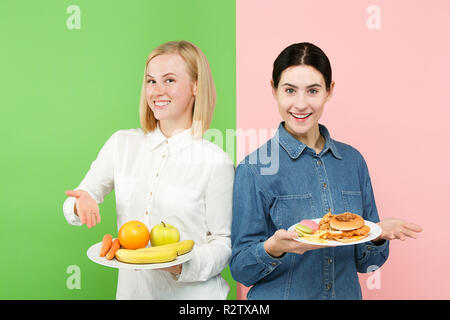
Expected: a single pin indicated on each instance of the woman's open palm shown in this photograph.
(85, 207)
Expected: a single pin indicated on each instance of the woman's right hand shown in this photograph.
(283, 241)
(85, 207)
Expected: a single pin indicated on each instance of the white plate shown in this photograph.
(93, 253)
(375, 231)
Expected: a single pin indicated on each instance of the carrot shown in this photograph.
(106, 244)
(114, 247)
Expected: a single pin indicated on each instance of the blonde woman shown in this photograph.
(166, 171)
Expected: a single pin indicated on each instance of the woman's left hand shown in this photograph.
(394, 228)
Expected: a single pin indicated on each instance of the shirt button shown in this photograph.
(274, 264)
(330, 261)
(146, 212)
(319, 162)
(328, 286)
(324, 185)
(157, 174)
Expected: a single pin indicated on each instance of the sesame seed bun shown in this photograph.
(346, 221)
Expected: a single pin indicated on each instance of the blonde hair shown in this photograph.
(205, 98)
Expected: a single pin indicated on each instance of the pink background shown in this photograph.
(390, 102)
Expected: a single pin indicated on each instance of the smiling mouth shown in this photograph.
(300, 116)
(161, 103)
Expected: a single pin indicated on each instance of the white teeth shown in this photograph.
(161, 104)
(301, 117)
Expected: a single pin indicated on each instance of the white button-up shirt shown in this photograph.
(183, 181)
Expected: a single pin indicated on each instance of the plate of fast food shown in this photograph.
(336, 230)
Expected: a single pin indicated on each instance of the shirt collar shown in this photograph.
(175, 143)
(295, 147)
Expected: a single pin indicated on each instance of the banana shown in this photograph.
(135, 256)
(181, 247)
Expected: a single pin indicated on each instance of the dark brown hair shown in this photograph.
(303, 53)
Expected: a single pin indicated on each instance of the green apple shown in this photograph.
(164, 233)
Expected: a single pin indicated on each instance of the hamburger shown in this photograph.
(344, 227)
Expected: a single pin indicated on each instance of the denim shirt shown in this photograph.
(282, 183)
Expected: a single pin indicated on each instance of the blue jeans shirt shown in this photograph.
(282, 183)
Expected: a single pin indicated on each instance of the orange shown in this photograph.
(134, 235)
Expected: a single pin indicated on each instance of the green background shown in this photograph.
(64, 92)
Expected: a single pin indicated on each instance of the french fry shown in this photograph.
(317, 237)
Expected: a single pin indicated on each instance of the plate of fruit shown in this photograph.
(137, 248)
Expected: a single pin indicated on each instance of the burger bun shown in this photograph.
(346, 221)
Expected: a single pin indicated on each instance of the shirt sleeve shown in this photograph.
(249, 261)
(211, 258)
(369, 255)
(98, 182)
